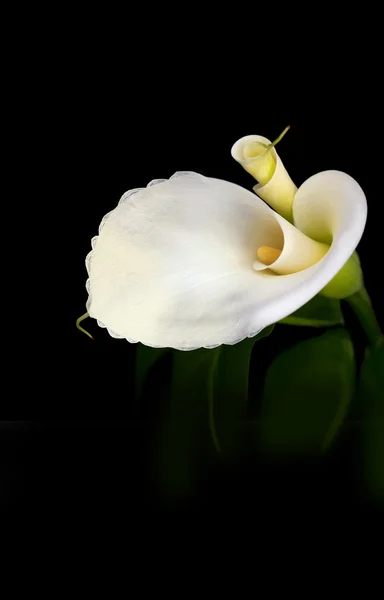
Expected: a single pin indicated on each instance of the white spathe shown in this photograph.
(298, 251)
(174, 263)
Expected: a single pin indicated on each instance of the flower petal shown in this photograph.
(280, 189)
(172, 266)
(298, 251)
(331, 206)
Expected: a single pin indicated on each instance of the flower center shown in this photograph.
(267, 255)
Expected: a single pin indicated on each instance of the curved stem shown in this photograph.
(277, 140)
(78, 321)
(361, 305)
(272, 144)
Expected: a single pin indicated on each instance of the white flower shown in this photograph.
(177, 264)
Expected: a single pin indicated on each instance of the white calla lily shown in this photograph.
(176, 264)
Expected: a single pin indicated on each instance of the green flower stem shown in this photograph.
(347, 281)
(361, 305)
(211, 401)
(278, 139)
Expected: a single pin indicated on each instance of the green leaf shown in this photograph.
(146, 357)
(318, 312)
(231, 392)
(371, 394)
(205, 414)
(307, 393)
(185, 440)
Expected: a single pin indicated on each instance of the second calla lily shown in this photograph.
(258, 156)
(195, 262)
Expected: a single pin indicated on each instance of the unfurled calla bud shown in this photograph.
(257, 155)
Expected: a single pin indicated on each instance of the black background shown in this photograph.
(70, 437)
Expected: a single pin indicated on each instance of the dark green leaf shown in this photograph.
(231, 392)
(206, 412)
(371, 394)
(318, 312)
(145, 359)
(185, 441)
(307, 393)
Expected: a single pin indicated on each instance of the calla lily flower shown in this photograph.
(194, 262)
